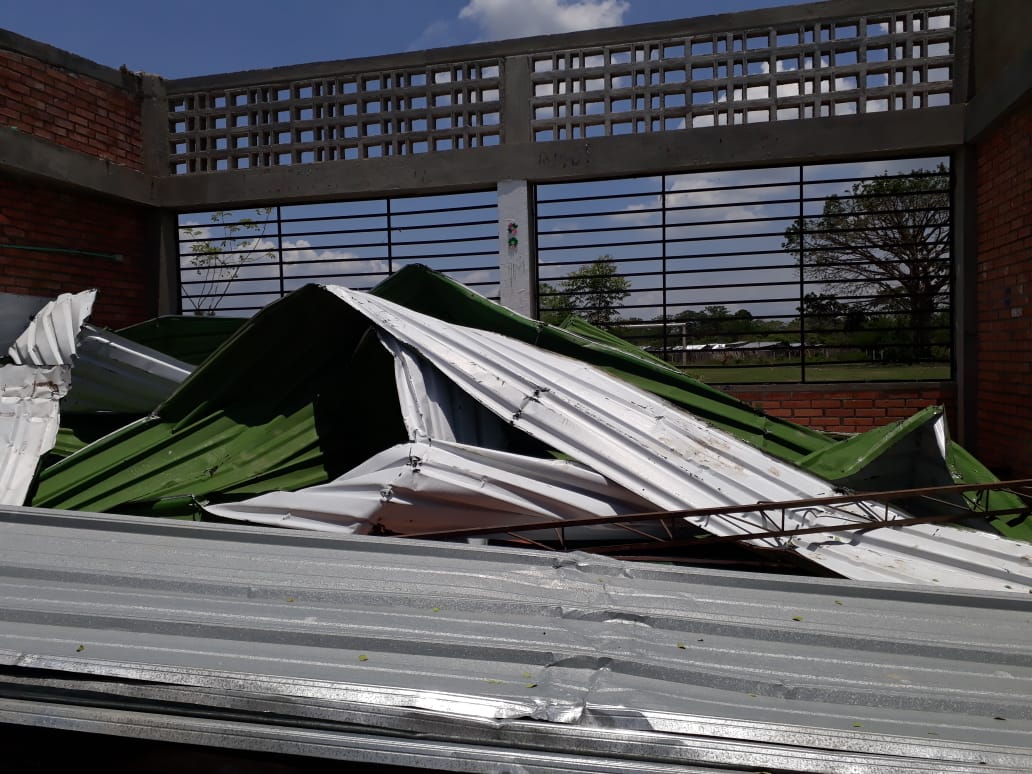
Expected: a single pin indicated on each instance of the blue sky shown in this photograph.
(190, 37)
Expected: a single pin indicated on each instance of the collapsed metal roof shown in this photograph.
(376, 649)
(446, 374)
(390, 376)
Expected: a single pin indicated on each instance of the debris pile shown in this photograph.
(424, 408)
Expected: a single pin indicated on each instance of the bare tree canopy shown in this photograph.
(886, 244)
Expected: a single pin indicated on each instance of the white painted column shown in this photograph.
(516, 254)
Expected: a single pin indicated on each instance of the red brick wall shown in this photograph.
(37, 215)
(1004, 296)
(72, 110)
(846, 408)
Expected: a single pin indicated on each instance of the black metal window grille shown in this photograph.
(835, 272)
(235, 262)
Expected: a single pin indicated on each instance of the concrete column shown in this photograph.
(163, 248)
(516, 264)
(965, 292)
(162, 224)
(517, 90)
(154, 125)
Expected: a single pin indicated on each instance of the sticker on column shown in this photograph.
(514, 236)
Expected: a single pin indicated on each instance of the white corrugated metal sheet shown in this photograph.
(421, 487)
(470, 658)
(29, 420)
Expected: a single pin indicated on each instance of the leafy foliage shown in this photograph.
(593, 291)
(221, 251)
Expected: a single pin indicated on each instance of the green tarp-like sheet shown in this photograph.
(302, 393)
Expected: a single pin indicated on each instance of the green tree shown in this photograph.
(219, 251)
(593, 291)
(886, 239)
(554, 307)
(714, 322)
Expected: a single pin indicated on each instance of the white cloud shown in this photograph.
(499, 19)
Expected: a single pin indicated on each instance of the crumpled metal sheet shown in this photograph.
(52, 338)
(677, 461)
(111, 373)
(434, 407)
(29, 421)
(506, 653)
(439, 485)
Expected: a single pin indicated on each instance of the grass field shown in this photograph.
(846, 372)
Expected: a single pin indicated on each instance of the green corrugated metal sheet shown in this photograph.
(190, 339)
(302, 393)
(276, 407)
(79, 430)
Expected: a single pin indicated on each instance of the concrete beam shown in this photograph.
(875, 135)
(23, 155)
(1011, 90)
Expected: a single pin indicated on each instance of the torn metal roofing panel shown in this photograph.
(434, 294)
(440, 485)
(676, 461)
(115, 374)
(53, 335)
(381, 650)
(29, 420)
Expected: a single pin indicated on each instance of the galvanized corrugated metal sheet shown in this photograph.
(29, 419)
(115, 374)
(230, 431)
(230, 438)
(375, 649)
